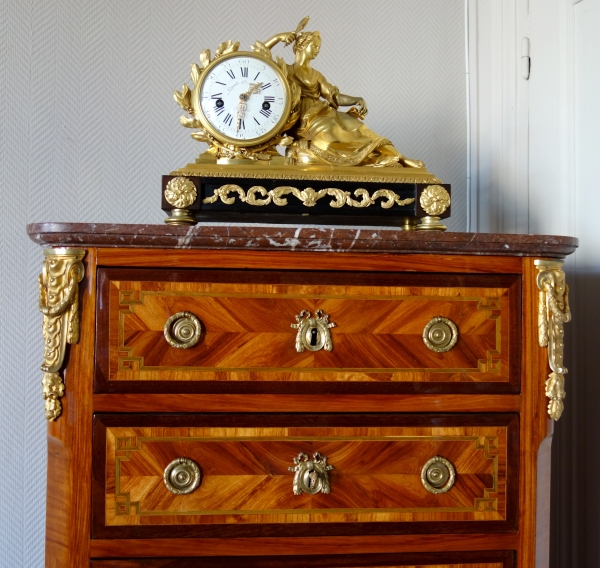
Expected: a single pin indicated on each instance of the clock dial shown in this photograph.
(244, 99)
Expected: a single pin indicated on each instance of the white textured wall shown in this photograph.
(88, 125)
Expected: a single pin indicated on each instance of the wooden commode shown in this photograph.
(296, 396)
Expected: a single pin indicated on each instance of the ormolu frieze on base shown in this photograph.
(59, 303)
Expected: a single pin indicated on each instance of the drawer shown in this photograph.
(303, 474)
(260, 332)
(487, 559)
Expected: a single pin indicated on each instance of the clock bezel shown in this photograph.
(220, 136)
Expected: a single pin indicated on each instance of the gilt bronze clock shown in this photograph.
(282, 149)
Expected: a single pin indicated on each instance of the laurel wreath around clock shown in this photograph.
(188, 100)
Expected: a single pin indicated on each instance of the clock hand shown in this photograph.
(254, 88)
(241, 110)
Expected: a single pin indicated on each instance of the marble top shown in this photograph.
(297, 238)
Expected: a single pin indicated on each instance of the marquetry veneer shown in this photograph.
(243, 402)
(376, 480)
(247, 340)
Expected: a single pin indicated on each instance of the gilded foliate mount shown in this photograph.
(553, 313)
(59, 303)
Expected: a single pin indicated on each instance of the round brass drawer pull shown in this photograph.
(440, 334)
(438, 475)
(183, 330)
(182, 476)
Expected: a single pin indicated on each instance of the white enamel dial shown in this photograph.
(243, 99)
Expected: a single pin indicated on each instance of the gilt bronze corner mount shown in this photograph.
(553, 313)
(59, 303)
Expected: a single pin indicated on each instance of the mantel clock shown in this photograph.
(247, 105)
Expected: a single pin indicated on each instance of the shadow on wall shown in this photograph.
(575, 523)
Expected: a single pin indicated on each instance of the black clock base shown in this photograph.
(363, 197)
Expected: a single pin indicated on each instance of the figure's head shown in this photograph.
(309, 43)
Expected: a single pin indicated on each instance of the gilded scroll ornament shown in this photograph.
(553, 313)
(59, 304)
(180, 192)
(259, 196)
(435, 199)
(311, 475)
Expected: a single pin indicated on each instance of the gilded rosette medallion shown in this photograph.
(435, 200)
(180, 192)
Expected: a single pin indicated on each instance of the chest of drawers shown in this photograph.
(296, 396)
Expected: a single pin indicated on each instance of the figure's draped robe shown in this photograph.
(331, 136)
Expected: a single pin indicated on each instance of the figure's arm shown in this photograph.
(285, 37)
(347, 100)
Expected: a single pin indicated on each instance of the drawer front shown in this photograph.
(179, 563)
(252, 341)
(488, 559)
(255, 471)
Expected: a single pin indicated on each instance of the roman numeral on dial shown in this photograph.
(269, 99)
(244, 71)
(266, 112)
(228, 119)
(231, 74)
(267, 86)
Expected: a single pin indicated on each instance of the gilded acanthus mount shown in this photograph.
(59, 303)
(553, 313)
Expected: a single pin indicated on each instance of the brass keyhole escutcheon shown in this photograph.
(438, 475)
(313, 332)
(182, 476)
(311, 474)
(440, 334)
(183, 330)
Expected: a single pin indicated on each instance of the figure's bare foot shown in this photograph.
(385, 161)
(412, 163)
